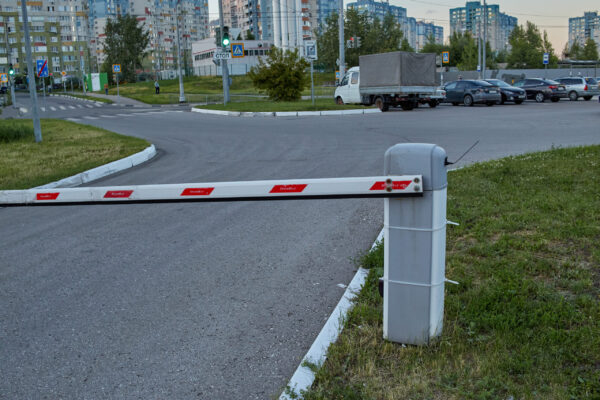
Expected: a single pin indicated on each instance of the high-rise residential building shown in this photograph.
(289, 22)
(471, 19)
(158, 18)
(324, 8)
(415, 32)
(583, 28)
(58, 30)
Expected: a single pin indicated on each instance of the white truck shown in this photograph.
(390, 80)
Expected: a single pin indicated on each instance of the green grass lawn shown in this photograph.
(200, 89)
(268, 106)
(524, 323)
(66, 149)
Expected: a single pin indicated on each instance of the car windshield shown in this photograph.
(591, 81)
(498, 82)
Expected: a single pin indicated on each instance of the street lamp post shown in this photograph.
(37, 128)
(181, 94)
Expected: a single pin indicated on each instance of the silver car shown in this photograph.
(580, 87)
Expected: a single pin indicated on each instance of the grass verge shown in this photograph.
(524, 323)
(268, 106)
(200, 89)
(92, 98)
(67, 148)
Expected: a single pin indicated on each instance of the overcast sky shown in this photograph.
(550, 15)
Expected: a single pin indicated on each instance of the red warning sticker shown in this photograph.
(47, 196)
(288, 188)
(396, 185)
(118, 194)
(197, 191)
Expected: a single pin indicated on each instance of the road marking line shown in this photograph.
(53, 108)
(62, 107)
(43, 109)
(108, 116)
(71, 107)
(124, 115)
(79, 106)
(88, 117)
(88, 106)
(73, 119)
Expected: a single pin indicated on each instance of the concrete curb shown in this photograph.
(287, 113)
(77, 98)
(304, 377)
(103, 170)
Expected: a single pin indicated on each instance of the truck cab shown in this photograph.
(347, 91)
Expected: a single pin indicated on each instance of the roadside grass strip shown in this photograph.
(524, 322)
(278, 106)
(66, 149)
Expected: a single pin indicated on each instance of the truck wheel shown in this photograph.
(539, 97)
(573, 96)
(468, 101)
(407, 105)
(381, 104)
(433, 103)
(339, 101)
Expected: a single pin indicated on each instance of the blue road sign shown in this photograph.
(546, 58)
(237, 50)
(42, 68)
(116, 68)
(445, 57)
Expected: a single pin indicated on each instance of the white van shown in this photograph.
(347, 92)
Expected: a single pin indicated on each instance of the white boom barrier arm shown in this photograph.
(414, 189)
(379, 186)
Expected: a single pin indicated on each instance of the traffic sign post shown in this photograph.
(63, 75)
(546, 62)
(310, 52)
(445, 60)
(237, 50)
(117, 69)
(4, 79)
(413, 187)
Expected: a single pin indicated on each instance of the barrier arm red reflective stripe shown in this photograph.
(379, 186)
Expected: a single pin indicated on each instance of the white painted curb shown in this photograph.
(103, 170)
(304, 377)
(287, 113)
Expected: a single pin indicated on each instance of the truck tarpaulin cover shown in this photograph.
(397, 68)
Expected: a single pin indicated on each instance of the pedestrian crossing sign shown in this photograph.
(237, 50)
(116, 68)
(3, 77)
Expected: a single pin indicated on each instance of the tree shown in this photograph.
(590, 51)
(463, 51)
(528, 48)
(250, 35)
(125, 44)
(283, 76)
(405, 46)
(432, 47)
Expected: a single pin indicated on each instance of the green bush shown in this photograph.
(282, 76)
(11, 131)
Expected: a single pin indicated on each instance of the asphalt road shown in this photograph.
(218, 300)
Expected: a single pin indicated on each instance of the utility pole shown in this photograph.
(181, 94)
(9, 54)
(37, 128)
(479, 49)
(342, 44)
(485, 13)
(224, 69)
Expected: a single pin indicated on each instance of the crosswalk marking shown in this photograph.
(53, 108)
(108, 116)
(73, 119)
(71, 107)
(43, 109)
(88, 106)
(79, 106)
(88, 117)
(62, 107)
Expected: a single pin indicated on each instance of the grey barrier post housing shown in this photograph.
(415, 247)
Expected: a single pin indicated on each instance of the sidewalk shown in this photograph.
(118, 99)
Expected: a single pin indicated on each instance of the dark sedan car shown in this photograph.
(508, 92)
(469, 92)
(542, 89)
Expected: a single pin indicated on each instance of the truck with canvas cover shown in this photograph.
(392, 79)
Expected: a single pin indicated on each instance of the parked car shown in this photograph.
(542, 89)
(469, 92)
(580, 87)
(508, 92)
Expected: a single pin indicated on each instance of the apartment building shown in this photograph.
(58, 31)
(158, 18)
(471, 19)
(583, 28)
(416, 32)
